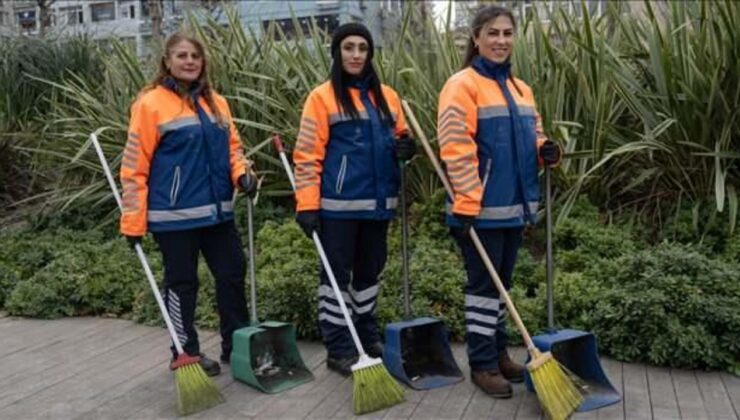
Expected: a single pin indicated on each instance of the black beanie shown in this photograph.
(349, 29)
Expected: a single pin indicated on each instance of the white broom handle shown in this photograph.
(322, 255)
(139, 250)
(473, 234)
(252, 275)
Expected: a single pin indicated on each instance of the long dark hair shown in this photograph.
(204, 86)
(340, 80)
(483, 16)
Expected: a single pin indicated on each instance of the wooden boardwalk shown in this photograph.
(97, 368)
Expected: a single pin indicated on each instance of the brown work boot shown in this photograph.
(511, 370)
(492, 383)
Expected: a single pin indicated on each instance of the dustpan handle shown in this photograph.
(473, 234)
(252, 277)
(322, 256)
(405, 243)
(549, 263)
(139, 250)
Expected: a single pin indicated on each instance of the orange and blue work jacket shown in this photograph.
(489, 135)
(180, 165)
(346, 167)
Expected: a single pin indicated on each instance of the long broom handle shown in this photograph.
(473, 234)
(252, 276)
(322, 255)
(549, 262)
(405, 243)
(139, 250)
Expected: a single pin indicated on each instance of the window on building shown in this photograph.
(327, 23)
(128, 11)
(72, 15)
(26, 19)
(103, 11)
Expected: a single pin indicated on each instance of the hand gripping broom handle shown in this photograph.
(473, 235)
(139, 250)
(252, 276)
(322, 255)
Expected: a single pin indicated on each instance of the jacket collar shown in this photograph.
(491, 70)
(193, 89)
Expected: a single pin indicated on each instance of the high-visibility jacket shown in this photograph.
(489, 134)
(180, 165)
(347, 168)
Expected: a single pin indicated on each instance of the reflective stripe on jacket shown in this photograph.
(489, 133)
(179, 166)
(344, 167)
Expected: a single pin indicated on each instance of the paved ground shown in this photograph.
(97, 368)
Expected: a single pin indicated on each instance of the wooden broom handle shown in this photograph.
(473, 235)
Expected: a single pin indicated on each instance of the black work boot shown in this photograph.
(492, 383)
(225, 358)
(210, 366)
(511, 370)
(375, 350)
(342, 366)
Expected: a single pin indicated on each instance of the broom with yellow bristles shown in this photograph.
(373, 387)
(195, 390)
(556, 390)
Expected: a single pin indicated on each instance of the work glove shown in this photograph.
(248, 184)
(309, 221)
(467, 223)
(133, 240)
(550, 153)
(405, 148)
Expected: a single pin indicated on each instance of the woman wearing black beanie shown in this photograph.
(352, 134)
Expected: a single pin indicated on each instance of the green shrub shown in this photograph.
(8, 281)
(670, 306)
(82, 279)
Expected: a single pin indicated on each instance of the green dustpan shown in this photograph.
(265, 355)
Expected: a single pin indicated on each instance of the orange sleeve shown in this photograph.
(457, 123)
(395, 105)
(309, 152)
(143, 138)
(239, 163)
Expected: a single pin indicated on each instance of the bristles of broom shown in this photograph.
(195, 390)
(373, 387)
(558, 394)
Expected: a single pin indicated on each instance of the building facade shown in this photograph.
(131, 20)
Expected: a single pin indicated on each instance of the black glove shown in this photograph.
(248, 184)
(405, 148)
(550, 153)
(309, 221)
(467, 223)
(133, 241)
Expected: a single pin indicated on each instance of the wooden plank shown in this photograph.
(64, 344)
(613, 370)
(61, 393)
(732, 385)
(688, 395)
(662, 394)
(462, 392)
(636, 392)
(431, 403)
(529, 408)
(244, 401)
(714, 394)
(23, 334)
(480, 406)
(47, 374)
(136, 392)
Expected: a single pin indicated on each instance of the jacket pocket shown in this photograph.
(340, 176)
(175, 188)
(487, 174)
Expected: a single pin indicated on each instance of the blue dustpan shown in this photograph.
(575, 350)
(417, 352)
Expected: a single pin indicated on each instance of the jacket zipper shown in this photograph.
(175, 186)
(341, 175)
